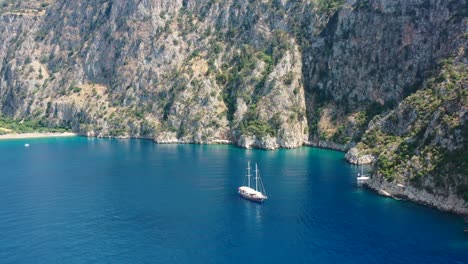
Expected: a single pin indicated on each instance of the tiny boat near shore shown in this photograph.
(256, 195)
(361, 178)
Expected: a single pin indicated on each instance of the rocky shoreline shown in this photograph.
(397, 191)
(450, 203)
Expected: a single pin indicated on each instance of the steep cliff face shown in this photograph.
(421, 147)
(371, 55)
(175, 71)
(266, 74)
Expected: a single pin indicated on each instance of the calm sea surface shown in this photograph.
(86, 200)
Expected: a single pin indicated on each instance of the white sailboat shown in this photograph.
(361, 178)
(258, 194)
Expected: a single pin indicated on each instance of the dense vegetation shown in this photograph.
(11, 126)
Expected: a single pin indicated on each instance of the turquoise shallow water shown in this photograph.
(86, 200)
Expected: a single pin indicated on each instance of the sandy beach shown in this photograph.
(37, 135)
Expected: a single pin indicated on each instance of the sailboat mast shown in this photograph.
(256, 177)
(248, 173)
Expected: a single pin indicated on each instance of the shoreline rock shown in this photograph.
(450, 203)
(267, 143)
(38, 135)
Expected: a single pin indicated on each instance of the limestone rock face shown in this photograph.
(371, 55)
(165, 138)
(177, 71)
(353, 157)
(268, 143)
(423, 144)
(204, 71)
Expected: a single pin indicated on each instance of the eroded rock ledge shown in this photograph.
(450, 203)
(353, 157)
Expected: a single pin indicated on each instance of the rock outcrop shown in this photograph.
(451, 203)
(423, 143)
(353, 156)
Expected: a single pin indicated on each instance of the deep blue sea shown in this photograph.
(87, 200)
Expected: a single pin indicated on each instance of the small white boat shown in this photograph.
(26, 145)
(361, 178)
(258, 194)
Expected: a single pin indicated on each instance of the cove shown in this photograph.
(88, 200)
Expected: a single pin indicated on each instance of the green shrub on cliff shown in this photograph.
(329, 6)
(258, 128)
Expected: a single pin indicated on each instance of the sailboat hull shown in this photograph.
(251, 195)
(253, 199)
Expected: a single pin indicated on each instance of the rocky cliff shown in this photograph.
(421, 147)
(370, 56)
(174, 71)
(265, 74)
